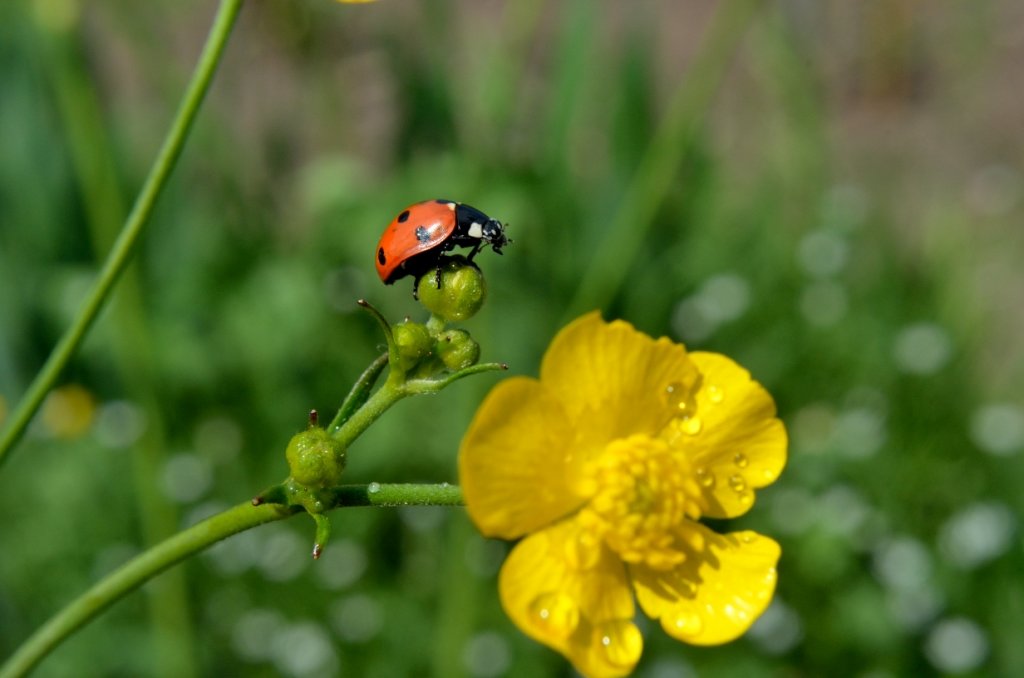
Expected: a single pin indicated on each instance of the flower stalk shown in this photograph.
(137, 220)
(192, 541)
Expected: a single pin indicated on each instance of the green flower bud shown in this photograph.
(461, 293)
(413, 342)
(315, 458)
(457, 350)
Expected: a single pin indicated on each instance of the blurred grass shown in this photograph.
(843, 219)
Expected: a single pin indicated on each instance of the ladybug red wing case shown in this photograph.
(415, 241)
(417, 229)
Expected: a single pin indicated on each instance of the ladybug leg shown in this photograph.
(476, 248)
(437, 276)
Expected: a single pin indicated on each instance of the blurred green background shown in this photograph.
(829, 192)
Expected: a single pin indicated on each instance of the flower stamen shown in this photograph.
(644, 491)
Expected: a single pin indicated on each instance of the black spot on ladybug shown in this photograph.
(422, 234)
(442, 202)
(403, 217)
(380, 256)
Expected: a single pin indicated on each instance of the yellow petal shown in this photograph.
(739, 444)
(613, 379)
(724, 584)
(516, 461)
(585, 613)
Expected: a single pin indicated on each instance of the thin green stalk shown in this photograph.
(190, 542)
(378, 403)
(133, 574)
(123, 248)
(657, 171)
(131, 343)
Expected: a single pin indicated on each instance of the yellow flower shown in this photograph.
(604, 466)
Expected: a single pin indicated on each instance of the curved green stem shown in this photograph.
(193, 540)
(122, 250)
(378, 403)
(133, 574)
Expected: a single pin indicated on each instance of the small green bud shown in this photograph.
(457, 350)
(461, 293)
(414, 343)
(315, 458)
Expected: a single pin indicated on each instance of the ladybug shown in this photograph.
(414, 242)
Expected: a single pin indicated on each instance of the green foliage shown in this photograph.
(869, 287)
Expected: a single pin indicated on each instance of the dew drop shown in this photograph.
(373, 488)
(741, 460)
(556, 614)
(680, 398)
(746, 497)
(690, 425)
(769, 475)
(684, 624)
(705, 477)
(621, 642)
(715, 394)
(738, 483)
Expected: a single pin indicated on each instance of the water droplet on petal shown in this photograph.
(690, 425)
(621, 642)
(769, 475)
(705, 477)
(741, 460)
(373, 488)
(715, 394)
(555, 614)
(684, 624)
(738, 483)
(680, 398)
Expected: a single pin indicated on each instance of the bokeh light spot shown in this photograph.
(902, 563)
(977, 534)
(186, 477)
(923, 348)
(342, 564)
(956, 645)
(304, 649)
(357, 619)
(822, 254)
(254, 633)
(120, 424)
(998, 428)
(778, 630)
(486, 655)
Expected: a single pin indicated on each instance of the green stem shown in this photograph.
(360, 392)
(133, 574)
(123, 248)
(131, 341)
(190, 542)
(378, 403)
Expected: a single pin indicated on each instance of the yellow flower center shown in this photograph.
(642, 491)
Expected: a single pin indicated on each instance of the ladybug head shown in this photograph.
(493, 233)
